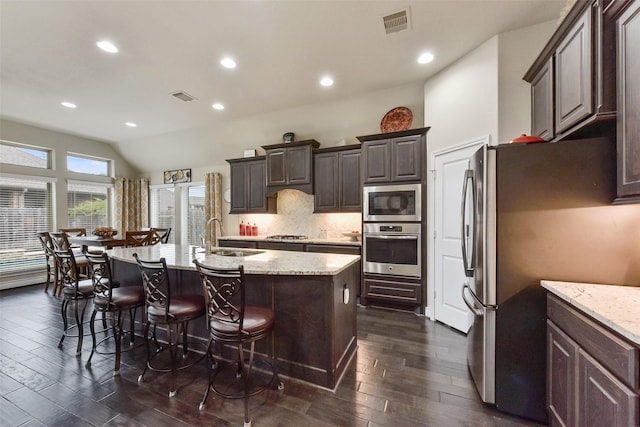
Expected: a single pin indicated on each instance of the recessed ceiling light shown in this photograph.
(326, 81)
(217, 106)
(131, 124)
(68, 104)
(228, 63)
(425, 58)
(107, 46)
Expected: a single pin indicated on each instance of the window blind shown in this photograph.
(25, 209)
(163, 208)
(87, 205)
(195, 215)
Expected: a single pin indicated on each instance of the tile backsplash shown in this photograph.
(295, 216)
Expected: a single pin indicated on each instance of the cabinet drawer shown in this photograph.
(617, 355)
(402, 293)
(237, 244)
(282, 246)
(334, 249)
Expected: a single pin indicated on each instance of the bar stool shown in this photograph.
(110, 297)
(74, 290)
(233, 322)
(171, 311)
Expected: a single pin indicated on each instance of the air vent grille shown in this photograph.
(397, 21)
(183, 96)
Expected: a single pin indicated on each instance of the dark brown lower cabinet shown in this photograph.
(593, 374)
(392, 291)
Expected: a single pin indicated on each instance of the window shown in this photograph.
(87, 205)
(23, 155)
(195, 215)
(88, 165)
(25, 209)
(163, 208)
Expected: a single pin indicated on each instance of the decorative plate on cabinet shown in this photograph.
(397, 119)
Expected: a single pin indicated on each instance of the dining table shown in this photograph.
(105, 242)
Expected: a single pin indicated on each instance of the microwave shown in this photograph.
(392, 203)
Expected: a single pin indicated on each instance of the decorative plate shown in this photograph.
(397, 119)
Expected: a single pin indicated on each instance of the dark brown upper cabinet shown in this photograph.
(573, 90)
(337, 180)
(394, 156)
(290, 166)
(628, 70)
(248, 186)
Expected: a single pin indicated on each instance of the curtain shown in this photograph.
(131, 205)
(213, 206)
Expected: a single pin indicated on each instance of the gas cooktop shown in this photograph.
(287, 237)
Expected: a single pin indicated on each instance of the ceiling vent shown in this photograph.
(183, 96)
(397, 21)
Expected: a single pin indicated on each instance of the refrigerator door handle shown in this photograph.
(473, 305)
(467, 263)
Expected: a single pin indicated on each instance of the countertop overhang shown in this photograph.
(271, 262)
(617, 307)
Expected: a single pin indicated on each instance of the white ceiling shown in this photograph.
(48, 54)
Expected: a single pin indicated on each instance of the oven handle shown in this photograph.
(391, 236)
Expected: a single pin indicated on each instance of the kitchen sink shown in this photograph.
(235, 252)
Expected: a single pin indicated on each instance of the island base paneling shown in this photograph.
(314, 337)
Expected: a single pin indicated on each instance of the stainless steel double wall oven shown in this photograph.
(392, 230)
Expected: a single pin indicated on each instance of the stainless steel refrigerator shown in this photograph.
(532, 212)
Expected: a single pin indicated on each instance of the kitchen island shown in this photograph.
(312, 294)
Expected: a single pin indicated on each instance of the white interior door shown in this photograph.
(448, 275)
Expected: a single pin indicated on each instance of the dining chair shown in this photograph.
(52, 266)
(160, 235)
(74, 289)
(138, 238)
(75, 232)
(116, 300)
(168, 310)
(233, 322)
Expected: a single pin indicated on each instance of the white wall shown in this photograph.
(61, 144)
(482, 94)
(329, 123)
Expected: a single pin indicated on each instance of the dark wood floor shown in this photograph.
(408, 371)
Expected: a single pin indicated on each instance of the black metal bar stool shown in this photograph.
(171, 311)
(109, 297)
(74, 289)
(232, 322)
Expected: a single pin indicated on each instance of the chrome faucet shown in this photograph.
(213, 220)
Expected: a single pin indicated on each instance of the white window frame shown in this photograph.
(109, 163)
(48, 151)
(110, 198)
(33, 255)
(153, 208)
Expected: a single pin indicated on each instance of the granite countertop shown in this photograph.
(261, 261)
(327, 241)
(617, 307)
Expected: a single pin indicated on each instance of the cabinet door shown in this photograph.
(239, 181)
(276, 167)
(574, 75)
(256, 187)
(542, 103)
(376, 158)
(406, 159)
(602, 399)
(562, 354)
(350, 181)
(326, 178)
(298, 161)
(629, 102)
